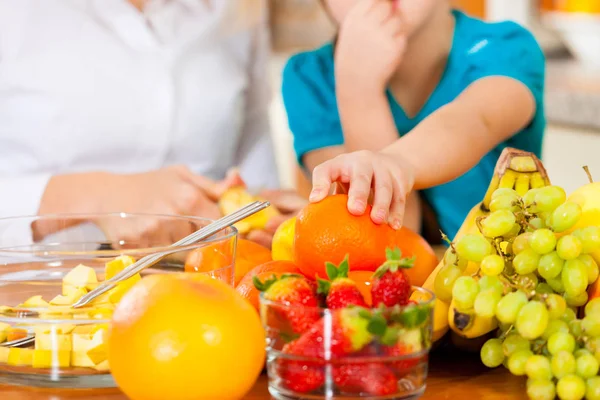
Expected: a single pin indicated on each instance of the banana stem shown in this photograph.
(589, 174)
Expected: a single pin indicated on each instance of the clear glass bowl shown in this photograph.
(354, 353)
(48, 262)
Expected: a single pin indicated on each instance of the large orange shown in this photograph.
(248, 255)
(266, 271)
(326, 231)
(185, 336)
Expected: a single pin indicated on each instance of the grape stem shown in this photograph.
(589, 174)
(478, 222)
(506, 332)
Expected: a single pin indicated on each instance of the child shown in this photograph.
(456, 90)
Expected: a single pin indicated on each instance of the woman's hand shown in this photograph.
(370, 45)
(172, 190)
(288, 203)
(389, 178)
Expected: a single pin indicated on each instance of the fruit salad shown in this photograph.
(323, 336)
(64, 337)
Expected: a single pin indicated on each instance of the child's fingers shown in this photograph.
(383, 191)
(323, 176)
(381, 11)
(360, 186)
(397, 206)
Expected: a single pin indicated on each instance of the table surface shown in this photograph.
(452, 375)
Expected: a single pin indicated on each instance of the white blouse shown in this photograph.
(90, 85)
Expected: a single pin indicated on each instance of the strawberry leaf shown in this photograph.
(390, 337)
(332, 270)
(377, 325)
(343, 268)
(264, 286)
(412, 316)
(288, 337)
(323, 286)
(394, 254)
(364, 313)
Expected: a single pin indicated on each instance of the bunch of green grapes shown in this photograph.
(532, 275)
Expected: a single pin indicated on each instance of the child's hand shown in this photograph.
(390, 178)
(371, 44)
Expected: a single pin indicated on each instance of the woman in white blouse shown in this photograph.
(131, 105)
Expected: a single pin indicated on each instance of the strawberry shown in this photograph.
(340, 291)
(409, 347)
(298, 298)
(299, 374)
(346, 332)
(390, 285)
(370, 378)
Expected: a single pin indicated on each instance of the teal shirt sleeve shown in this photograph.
(513, 52)
(308, 91)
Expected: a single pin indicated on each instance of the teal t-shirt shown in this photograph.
(480, 49)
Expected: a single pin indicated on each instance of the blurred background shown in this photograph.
(567, 30)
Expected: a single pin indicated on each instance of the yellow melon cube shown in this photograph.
(20, 357)
(51, 358)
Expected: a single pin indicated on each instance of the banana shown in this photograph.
(517, 170)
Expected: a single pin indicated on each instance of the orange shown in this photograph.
(363, 282)
(180, 337)
(327, 232)
(266, 271)
(248, 255)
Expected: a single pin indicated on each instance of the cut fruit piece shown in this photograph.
(103, 366)
(4, 354)
(3, 336)
(117, 265)
(98, 353)
(81, 359)
(51, 358)
(53, 341)
(4, 327)
(20, 357)
(67, 300)
(34, 302)
(237, 197)
(79, 277)
(114, 295)
(15, 334)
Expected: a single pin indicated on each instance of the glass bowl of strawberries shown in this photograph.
(326, 339)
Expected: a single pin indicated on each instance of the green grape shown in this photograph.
(589, 237)
(576, 327)
(473, 247)
(521, 242)
(570, 387)
(529, 200)
(565, 217)
(532, 320)
(549, 198)
(464, 292)
(498, 223)
(592, 388)
(555, 325)
(556, 284)
(574, 277)
(491, 353)
(556, 305)
(538, 367)
(591, 325)
(561, 341)
(542, 241)
(486, 302)
(514, 232)
(444, 282)
(550, 265)
(526, 261)
(450, 258)
(569, 315)
(504, 203)
(593, 307)
(543, 288)
(541, 389)
(492, 265)
(586, 366)
(590, 266)
(509, 306)
(537, 223)
(513, 343)
(528, 282)
(506, 192)
(580, 352)
(517, 361)
(576, 301)
(491, 283)
(562, 364)
(568, 247)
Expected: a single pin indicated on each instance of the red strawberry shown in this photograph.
(340, 290)
(390, 284)
(345, 332)
(299, 375)
(298, 297)
(365, 378)
(410, 347)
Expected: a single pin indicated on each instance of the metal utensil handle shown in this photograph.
(144, 262)
(200, 234)
(19, 342)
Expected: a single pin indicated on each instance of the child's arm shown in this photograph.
(444, 146)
